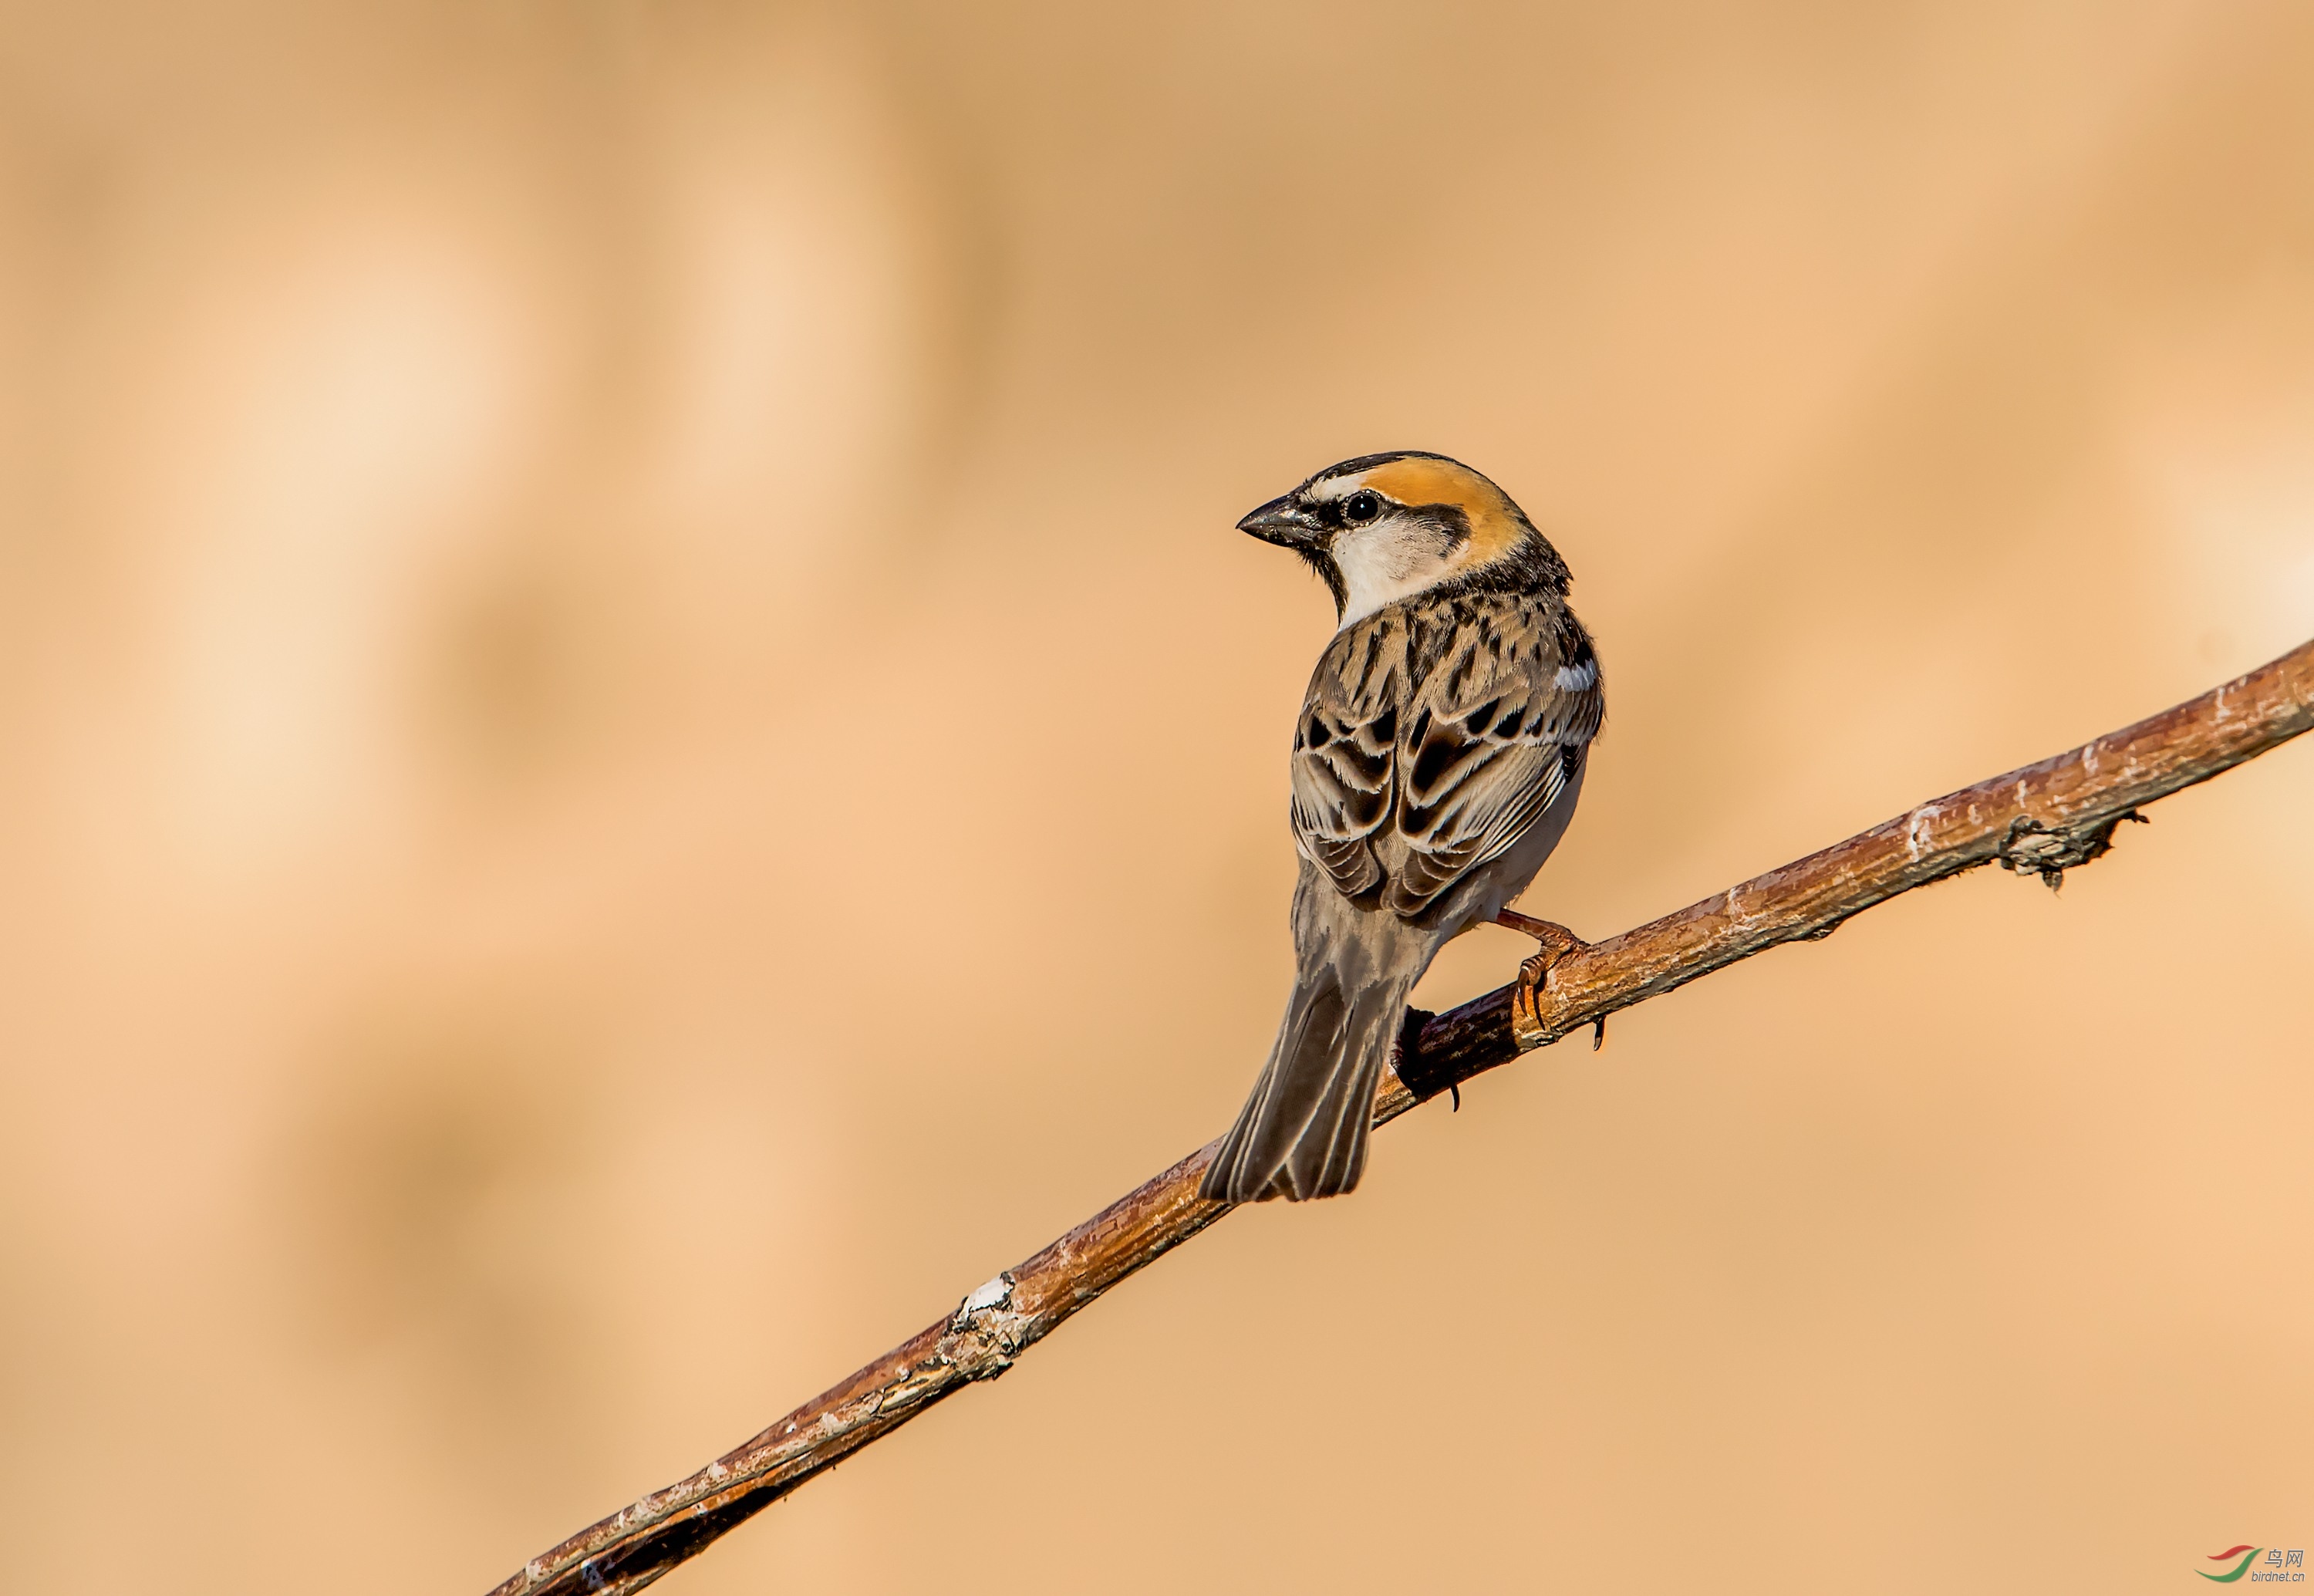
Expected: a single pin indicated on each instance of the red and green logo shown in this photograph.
(2247, 1554)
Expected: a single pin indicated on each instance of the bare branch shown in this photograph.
(2042, 820)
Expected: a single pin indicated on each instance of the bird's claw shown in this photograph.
(1558, 943)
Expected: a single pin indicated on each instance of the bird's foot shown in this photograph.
(1558, 942)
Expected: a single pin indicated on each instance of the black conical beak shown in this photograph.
(1286, 522)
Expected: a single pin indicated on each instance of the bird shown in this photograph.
(1437, 759)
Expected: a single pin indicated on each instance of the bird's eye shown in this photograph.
(1361, 507)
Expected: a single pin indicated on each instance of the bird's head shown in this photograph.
(1384, 528)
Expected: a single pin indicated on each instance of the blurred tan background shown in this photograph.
(637, 749)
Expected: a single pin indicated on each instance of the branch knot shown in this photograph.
(2033, 848)
(985, 1333)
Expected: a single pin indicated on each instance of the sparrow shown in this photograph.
(1437, 762)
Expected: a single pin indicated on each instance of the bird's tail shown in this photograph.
(1302, 1133)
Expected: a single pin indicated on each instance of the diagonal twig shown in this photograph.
(2042, 820)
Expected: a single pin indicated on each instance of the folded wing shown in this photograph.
(1429, 745)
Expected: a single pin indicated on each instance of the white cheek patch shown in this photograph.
(1576, 678)
(1384, 563)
